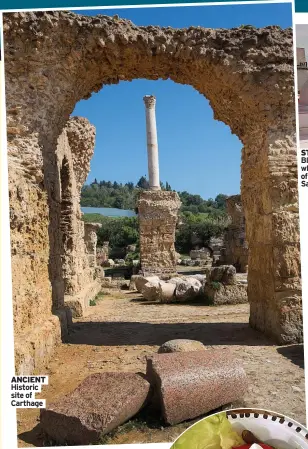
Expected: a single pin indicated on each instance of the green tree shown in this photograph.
(221, 201)
(143, 183)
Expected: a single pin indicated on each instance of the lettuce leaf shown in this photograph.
(214, 432)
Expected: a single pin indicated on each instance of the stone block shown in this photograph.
(158, 213)
(140, 281)
(188, 289)
(151, 291)
(203, 253)
(218, 294)
(224, 274)
(200, 277)
(176, 280)
(166, 291)
(191, 384)
(99, 404)
(107, 282)
(287, 260)
(181, 345)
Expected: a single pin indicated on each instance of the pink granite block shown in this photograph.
(190, 384)
(100, 403)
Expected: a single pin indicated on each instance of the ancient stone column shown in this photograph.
(158, 214)
(153, 168)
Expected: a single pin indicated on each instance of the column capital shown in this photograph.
(149, 101)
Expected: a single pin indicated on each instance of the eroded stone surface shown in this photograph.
(226, 274)
(74, 240)
(188, 289)
(193, 383)
(100, 403)
(181, 345)
(140, 281)
(158, 216)
(166, 291)
(218, 294)
(151, 291)
(236, 248)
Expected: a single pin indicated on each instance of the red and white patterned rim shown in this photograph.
(267, 415)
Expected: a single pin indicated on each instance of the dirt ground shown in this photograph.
(122, 329)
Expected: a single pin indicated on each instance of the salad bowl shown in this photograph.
(272, 428)
(242, 429)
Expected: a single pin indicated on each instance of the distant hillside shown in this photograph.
(123, 196)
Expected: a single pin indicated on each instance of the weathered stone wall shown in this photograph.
(158, 215)
(54, 59)
(270, 201)
(235, 245)
(76, 240)
(47, 284)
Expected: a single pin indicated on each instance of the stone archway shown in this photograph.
(54, 59)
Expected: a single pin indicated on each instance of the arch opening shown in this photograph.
(247, 76)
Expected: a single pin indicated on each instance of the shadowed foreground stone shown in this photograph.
(193, 383)
(100, 403)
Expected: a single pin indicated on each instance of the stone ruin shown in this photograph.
(72, 267)
(158, 215)
(203, 256)
(232, 248)
(76, 241)
(102, 254)
(103, 401)
(236, 247)
(55, 59)
(216, 245)
(223, 287)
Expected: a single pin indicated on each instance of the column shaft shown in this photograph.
(152, 145)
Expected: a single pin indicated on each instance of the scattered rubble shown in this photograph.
(219, 286)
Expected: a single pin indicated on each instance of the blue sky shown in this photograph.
(196, 152)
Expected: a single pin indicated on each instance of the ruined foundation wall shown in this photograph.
(158, 215)
(36, 329)
(236, 247)
(78, 239)
(39, 322)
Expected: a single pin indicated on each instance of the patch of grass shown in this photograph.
(215, 285)
(92, 302)
(127, 427)
(100, 296)
(145, 420)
